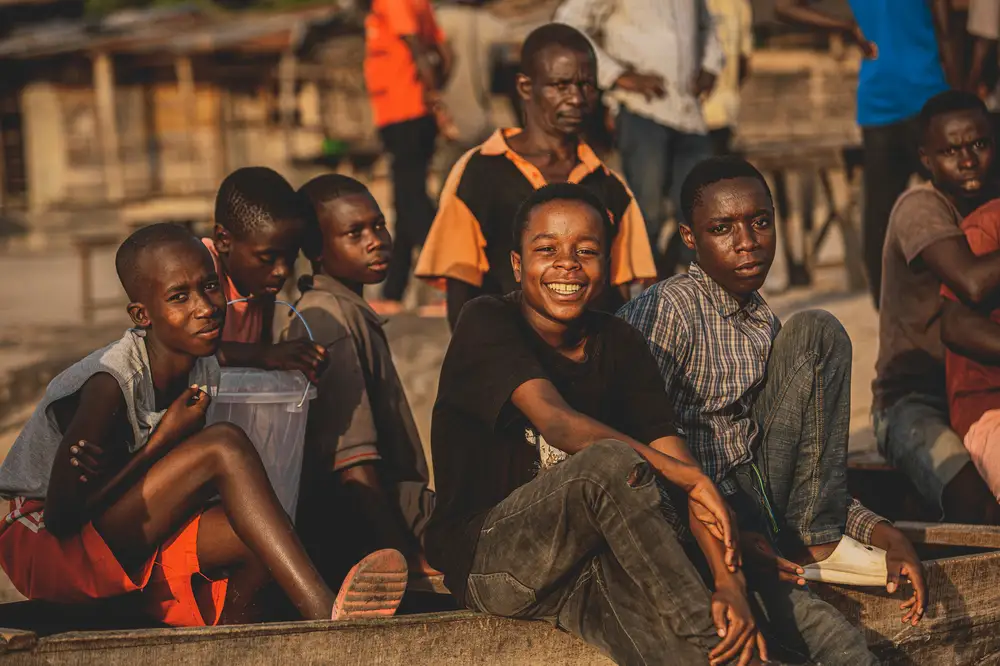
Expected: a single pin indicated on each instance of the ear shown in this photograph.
(137, 313)
(515, 263)
(925, 159)
(223, 239)
(687, 236)
(522, 83)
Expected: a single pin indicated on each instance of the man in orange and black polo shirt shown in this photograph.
(470, 241)
(406, 60)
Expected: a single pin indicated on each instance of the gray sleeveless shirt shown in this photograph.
(26, 470)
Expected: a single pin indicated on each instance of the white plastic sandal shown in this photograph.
(851, 563)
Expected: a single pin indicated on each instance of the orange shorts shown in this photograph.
(81, 567)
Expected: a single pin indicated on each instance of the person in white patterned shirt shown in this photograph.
(657, 59)
(765, 408)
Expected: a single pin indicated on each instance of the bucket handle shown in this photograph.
(305, 324)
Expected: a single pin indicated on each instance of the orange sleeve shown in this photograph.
(400, 17)
(455, 247)
(631, 255)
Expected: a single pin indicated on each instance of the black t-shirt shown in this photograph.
(480, 441)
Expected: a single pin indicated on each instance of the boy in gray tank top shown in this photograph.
(112, 479)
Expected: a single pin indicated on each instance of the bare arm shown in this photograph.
(948, 44)
(568, 430)
(101, 406)
(972, 277)
(982, 51)
(422, 58)
(799, 11)
(969, 333)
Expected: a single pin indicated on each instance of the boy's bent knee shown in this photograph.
(227, 440)
(818, 329)
(613, 460)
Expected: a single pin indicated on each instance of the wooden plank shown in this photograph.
(104, 95)
(951, 534)
(962, 623)
(16, 639)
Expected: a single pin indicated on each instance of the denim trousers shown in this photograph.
(656, 159)
(586, 545)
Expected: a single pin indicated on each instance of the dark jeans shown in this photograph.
(411, 145)
(656, 159)
(804, 413)
(891, 157)
(586, 545)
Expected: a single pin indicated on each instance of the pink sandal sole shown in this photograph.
(373, 588)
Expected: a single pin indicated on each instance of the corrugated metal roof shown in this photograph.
(181, 29)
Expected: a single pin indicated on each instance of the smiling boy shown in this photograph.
(363, 453)
(112, 480)
(765, 409)
(925, 249)
(537, 376)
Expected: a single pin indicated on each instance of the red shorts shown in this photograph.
(81, 567)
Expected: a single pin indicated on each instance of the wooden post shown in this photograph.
(104, 94)
(185, 89)
(286, 98)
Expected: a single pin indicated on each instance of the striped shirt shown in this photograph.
(713, 353)
(673, 38)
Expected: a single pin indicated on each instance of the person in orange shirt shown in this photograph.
(468, 248)
(259, 223)
(406, 62)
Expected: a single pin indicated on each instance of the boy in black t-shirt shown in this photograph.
(584, 542)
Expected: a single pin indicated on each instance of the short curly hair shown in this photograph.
(253, 198)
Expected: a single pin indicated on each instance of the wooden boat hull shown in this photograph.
(962, 626)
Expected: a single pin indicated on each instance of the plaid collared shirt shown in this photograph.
(713, 353)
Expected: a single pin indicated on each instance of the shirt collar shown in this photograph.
(322, 282)
(724, 302)
(497, 145)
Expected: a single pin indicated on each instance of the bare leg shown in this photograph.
(218, 460)
(222, 554)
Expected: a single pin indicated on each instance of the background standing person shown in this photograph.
(658, 57)
(472, 33)
(734, 27)
(909, 58)
(984, 27)
(406, 61)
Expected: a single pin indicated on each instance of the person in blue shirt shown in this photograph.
(909, 57)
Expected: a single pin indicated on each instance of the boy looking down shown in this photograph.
(765, 409)
(362, 450)
(259, 221)
(112, 480)
(539, 375)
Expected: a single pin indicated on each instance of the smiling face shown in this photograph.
(356, 242)
(181, 304)
(562, 92)
(733, 233)
(260, 261)
(563, 261)
(958, 150)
